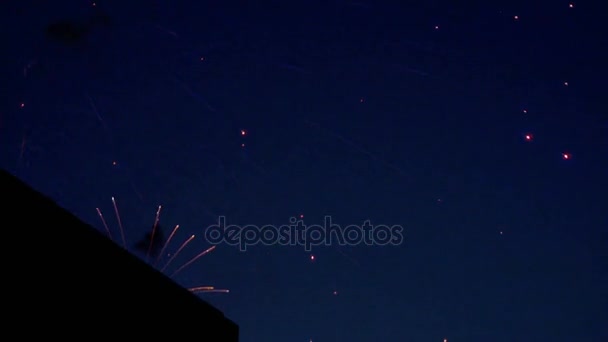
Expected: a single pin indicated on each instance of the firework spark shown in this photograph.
(177, 252)
(153, 232)
(207, 289)
(193, 260)
(122, 231)
(162, 250)
(105, 225)
(149, 240)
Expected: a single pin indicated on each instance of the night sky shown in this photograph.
(481, 130)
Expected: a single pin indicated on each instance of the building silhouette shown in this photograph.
(63, 279)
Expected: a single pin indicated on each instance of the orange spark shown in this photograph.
(153, 231)
(122, 231)
(177, 252)
(193, 259)
(162, 250)
(200, 289)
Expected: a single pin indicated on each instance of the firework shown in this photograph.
(152, 240)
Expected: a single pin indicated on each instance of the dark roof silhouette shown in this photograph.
(63, 278)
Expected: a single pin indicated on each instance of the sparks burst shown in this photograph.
(150, 241)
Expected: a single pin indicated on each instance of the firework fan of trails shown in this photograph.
(155, 257)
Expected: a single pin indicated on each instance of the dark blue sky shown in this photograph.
(450, 120)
